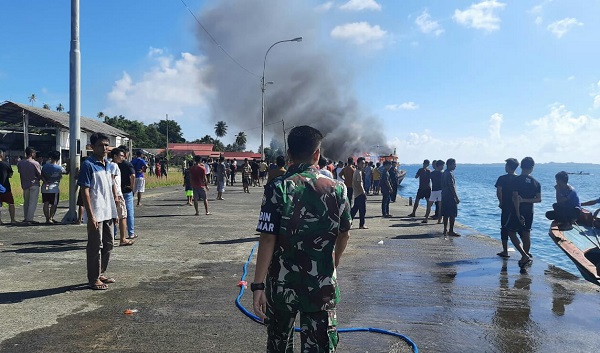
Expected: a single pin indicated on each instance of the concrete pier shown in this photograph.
(181, 275)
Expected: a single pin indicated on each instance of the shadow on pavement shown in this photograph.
(232, 241)
(405, 225)
(164, 215)
(49, 246)
(16, 297)
(416, 236)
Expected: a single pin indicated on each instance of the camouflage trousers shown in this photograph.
(318, 335)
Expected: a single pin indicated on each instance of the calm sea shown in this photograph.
(479, 210)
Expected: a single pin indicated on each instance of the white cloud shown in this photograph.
(559, 136)
(360, 33)
(596, 95)
(403, 106)
(324, 7)
(359, 5)
(570, 78)
(427, 25)
(495, 125)
(172, 86)
(560, 28)
(536, 10)
(480, 16)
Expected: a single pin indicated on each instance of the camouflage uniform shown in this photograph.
(306, 210)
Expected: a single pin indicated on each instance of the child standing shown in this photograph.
(187, 183)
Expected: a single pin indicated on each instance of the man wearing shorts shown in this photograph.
(140, 165)
(505, 202)
(199, 184)
(52, 172)
(6, 172)
(221, 171)
(424, 191)
(436, 191)
(262, 170)
(450, 199)
(526, 191)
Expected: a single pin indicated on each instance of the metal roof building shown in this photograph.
(47, 130)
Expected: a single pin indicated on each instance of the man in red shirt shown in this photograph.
(199, 183)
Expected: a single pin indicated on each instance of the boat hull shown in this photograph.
(572, 243)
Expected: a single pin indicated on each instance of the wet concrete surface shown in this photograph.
(447, 295)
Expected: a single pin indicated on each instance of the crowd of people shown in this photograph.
(309, 204)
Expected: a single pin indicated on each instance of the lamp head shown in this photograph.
(297, 39)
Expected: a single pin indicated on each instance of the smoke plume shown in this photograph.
(311, 85)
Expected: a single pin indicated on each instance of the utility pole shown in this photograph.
(284, 141)
(74, 111)
(167, 138)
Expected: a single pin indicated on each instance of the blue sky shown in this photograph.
(479, 81)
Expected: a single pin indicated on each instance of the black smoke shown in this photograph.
(312, 84)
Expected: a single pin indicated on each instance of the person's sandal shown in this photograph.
(98, 286)
(105, 279)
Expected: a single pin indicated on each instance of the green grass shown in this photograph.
(152, 182)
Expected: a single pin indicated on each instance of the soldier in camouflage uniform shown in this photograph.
(304, 217)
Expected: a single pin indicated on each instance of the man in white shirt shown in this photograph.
(98, 198)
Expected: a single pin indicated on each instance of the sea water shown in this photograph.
(478, 208)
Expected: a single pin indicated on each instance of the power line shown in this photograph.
(217, 43)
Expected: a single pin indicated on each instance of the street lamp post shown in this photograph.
(262, 88)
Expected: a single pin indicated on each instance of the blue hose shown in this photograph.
(352, 329)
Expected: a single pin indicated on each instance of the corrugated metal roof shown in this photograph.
(12, 113)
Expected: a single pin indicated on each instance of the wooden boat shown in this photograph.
(581, 244)
(401, 175)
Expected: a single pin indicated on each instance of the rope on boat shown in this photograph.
(255, 318)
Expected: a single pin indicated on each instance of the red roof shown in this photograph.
(241, 155)
(206, 150)
(191, 146)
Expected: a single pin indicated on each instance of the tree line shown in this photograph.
(155, 135)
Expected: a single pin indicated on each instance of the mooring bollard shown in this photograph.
(410, 201)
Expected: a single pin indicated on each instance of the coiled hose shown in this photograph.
(255, 318)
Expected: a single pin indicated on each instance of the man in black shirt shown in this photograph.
(450, 198)
(526, 191)
(504, 194)
(424, 191)
(127, 187)
(6, 172)
(254, 165)
(436, 191)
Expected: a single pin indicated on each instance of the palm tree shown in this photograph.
(221, 129)
(241, 139)
(32, 98)
(46, 106)
(100, 116)
(59, 107)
